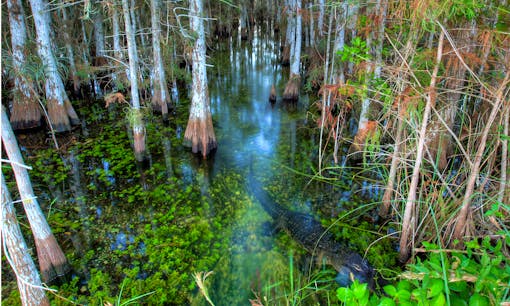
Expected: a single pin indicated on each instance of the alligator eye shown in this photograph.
(357, 267)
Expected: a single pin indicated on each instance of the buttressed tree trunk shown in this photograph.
(60, 111)
(26, 111)
(29, 283)
(161, 98)
(136, 119)
(199, 132)
(291, 92)
(52, 261)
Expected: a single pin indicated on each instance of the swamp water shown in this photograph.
(130, 231)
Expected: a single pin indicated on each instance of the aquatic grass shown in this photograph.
(130, 301)
(296, 289)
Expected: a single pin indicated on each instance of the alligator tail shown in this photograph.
(272, 208)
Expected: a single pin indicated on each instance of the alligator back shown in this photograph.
(303, 228)
(272, 208)
(314, 238)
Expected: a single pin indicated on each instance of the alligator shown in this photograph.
(316, 239)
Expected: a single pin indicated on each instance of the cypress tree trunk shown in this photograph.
(60, 111)
(161, 98)
(312, 25)
(70, 52)
(286, 52)
(320, 22)
(136, 119)
(440, 141)
(52, 261)
(29, 283)
(291, 92)
(26, 111)
(97, 21)
(99, 46)
(118, 77)
(199, 131)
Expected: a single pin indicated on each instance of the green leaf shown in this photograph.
(473, 244)
(344, 294)
(385, 301)
(458, 286)
(436, 287)
(360, 290)
(439, 300)
(404, 285)
(478, 300)
(390, 290)
(403, 295)
(455, 300)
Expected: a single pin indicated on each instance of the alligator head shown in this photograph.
(355, 267)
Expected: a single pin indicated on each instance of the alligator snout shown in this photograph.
(355, 267)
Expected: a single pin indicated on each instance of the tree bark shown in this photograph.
(504, 169)
(120, 72)
(199, 131)
(320, 22)
(52, 261)
(26, 111)
(161, 97)
(70, 52)
(291, 91)
(29, 283)
(137, 123)
(60, 111)
(409, 219)
(97, 21)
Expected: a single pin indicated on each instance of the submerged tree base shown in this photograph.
(52, 261)
(200, 136)
(62, 116)
(272, 94)
(291, 92)
(25, 115)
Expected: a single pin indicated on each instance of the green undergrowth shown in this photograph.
(478, 275)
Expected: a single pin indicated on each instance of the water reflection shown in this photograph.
(240, 84)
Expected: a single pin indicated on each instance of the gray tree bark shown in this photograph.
(60, 111)
(199, 131)
(29, 283)
(26, 112)
(52, 261)
(161, 97)
(136, 116)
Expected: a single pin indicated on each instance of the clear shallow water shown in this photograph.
(250, 130)
(246, 124)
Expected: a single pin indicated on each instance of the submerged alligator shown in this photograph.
(315, 239)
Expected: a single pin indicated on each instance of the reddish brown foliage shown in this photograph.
(115, 97)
